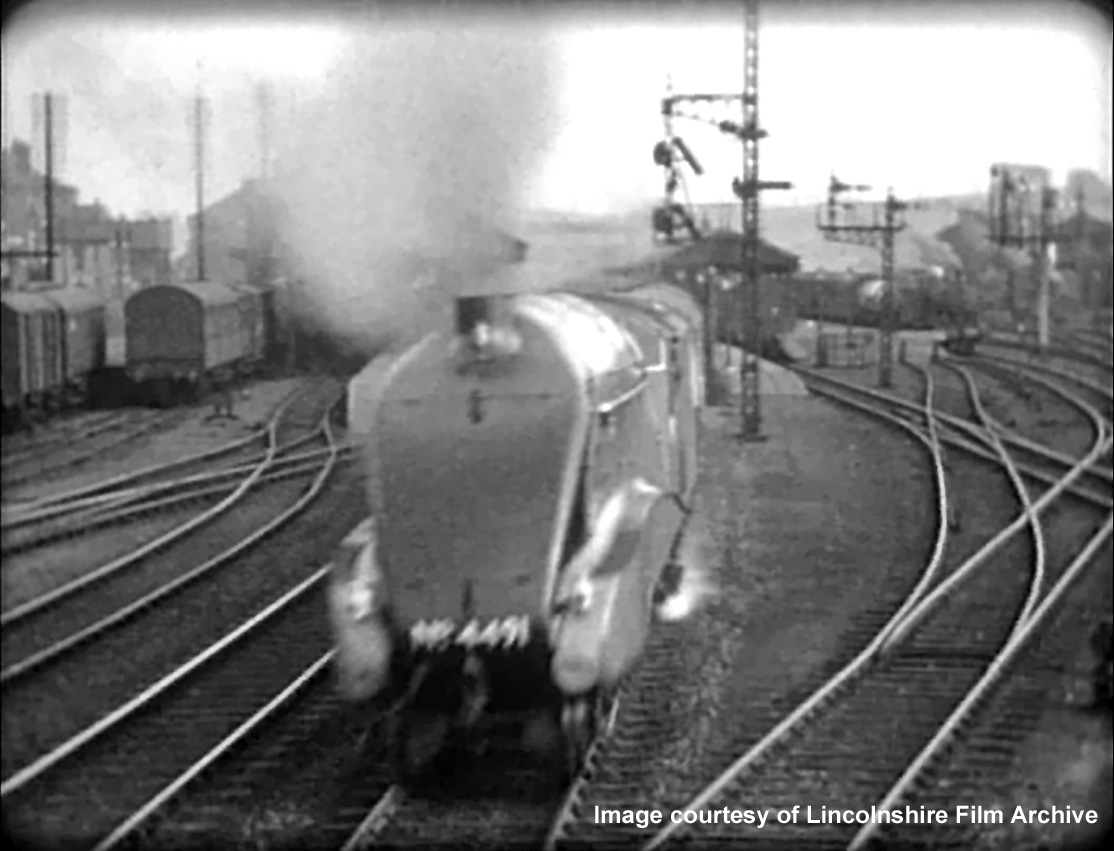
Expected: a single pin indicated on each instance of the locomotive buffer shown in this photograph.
(879, 235)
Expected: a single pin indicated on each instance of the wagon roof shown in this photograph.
(75, 299)
(206, 292)
(21, 302)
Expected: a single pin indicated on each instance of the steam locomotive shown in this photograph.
(531, 483)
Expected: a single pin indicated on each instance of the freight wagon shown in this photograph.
(253, 321)
(183, 337)
(32, 369)
(82, 339)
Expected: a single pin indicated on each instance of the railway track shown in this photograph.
(1097, 364)
(119, 500)
(614, 779)
(249, 796)
(1075, 434)
(892, 710)
(50, 626)
(189, 801)
(237, 451)
(183, 720)
(958, 431)
(66, 522)
(1096, 388)
(40, 462)
(514, 799)
(18, 448)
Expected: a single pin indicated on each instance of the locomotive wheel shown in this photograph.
(578, 726)
(583, 719)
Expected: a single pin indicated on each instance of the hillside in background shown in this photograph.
(949, 232)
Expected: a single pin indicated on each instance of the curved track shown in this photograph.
(69, 521)
(891, 711)
(917, 683)
(108, 490)
(76, 448)
(193, 710)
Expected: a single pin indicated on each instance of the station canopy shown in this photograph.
(724, 250)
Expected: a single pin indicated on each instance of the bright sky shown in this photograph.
(922, 101)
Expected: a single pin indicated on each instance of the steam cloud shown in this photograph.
(400, 174)
(697, 584)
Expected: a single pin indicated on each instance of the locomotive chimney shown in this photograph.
(484, 327)
(471, 313)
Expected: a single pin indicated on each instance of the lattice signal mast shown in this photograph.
(748, 190)
(1015, 224)
(710, 109)
(879, 235)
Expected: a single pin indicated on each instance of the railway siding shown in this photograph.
(196, 432)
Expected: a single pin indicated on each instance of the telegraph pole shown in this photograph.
(199, 177)
(260, 247)
(1012, 225)
(881, 237)
(48, 158)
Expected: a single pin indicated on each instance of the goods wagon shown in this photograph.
(33, 370)
(180, 337)
(83, 337)
(253, 319)
(860, 302)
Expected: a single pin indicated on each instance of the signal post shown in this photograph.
(879, 235)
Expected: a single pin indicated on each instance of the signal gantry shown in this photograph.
(1014, 223)
(672, 216)
(879, 235)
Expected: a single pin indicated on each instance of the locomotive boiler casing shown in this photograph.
(528, 476)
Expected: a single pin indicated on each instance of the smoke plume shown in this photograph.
(697, 585)
(402, 173)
